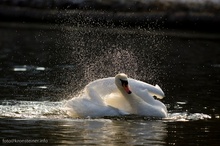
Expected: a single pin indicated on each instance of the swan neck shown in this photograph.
(132, 98)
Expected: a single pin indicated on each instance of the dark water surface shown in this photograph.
(42, 66)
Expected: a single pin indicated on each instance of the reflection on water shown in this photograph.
(111, 132)
(183, 133)
(87, 132)
(43, 66)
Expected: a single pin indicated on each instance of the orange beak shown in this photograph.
(126, 88)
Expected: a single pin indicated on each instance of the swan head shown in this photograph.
(121, 81)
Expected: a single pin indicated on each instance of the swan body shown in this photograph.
(118, 95)
(90, 104)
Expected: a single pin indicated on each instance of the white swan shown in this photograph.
(113, 96)
(141, 102)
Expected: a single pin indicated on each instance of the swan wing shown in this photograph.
(94, 96)
(158, 93)
(144, 94)
(104, 86)
(139, 86)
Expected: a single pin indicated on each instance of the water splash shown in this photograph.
(32, 109)
(104, 52)
(56, 110)
(186, 116)
(112, 62)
